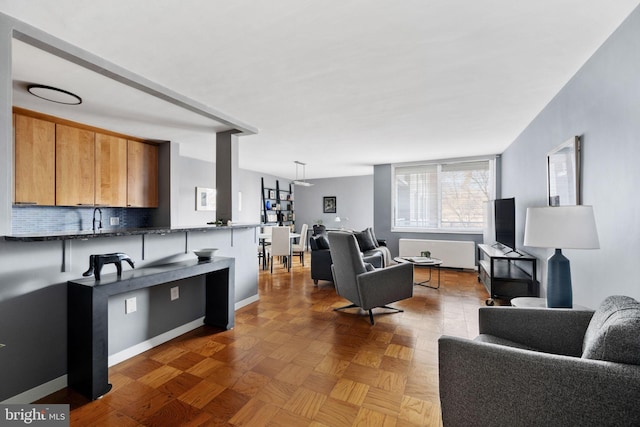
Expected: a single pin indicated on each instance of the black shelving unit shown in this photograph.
(507, 275)
(277, 205)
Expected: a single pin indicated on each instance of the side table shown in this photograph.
(423, 262)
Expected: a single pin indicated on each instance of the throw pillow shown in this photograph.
(365, 241)
(613, 332)
(373, 237)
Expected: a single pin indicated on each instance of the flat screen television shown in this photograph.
(505, 222)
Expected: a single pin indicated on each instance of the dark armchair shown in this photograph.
(545, 367)
(362, 284)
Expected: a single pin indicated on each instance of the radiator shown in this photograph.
(456, 254)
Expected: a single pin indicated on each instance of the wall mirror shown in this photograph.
(563, 173)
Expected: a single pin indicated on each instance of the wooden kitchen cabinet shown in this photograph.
(75, 166)
(111, 170)
(35, 145)
(63, 163)
(142, 175)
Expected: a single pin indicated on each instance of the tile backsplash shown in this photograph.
(51, 219)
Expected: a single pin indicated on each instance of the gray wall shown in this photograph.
(601, 103)
(194, 173)
(354, 200)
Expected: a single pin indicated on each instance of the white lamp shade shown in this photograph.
(561, 227)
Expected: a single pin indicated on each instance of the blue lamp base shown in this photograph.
(559, 293)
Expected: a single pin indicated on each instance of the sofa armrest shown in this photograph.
(491, 385)
(321, 265)
(385, 285)
(557, 331)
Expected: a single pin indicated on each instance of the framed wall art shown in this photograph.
(563, 173)
(205, 199)
(329, 204)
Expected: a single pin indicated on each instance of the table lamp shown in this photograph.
(560, 227)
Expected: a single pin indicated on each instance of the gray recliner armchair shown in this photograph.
(362, 284)
(545, 367)
(321, 258)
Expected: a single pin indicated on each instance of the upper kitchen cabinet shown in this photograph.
(111, 170)
(75, 166)
(142, 175)
(35, 147)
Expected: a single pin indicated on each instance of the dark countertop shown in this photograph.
(71, 235)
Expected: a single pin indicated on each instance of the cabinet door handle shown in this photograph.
(25, 203)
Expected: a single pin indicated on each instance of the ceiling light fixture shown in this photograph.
(54, 94)
(302, 183)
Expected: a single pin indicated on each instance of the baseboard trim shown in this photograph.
(125, 354)
(38, 392)
(247, 301)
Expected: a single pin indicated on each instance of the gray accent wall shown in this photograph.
(601, 104)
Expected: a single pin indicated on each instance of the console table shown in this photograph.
(87, 313)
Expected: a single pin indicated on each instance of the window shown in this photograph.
(442, 196)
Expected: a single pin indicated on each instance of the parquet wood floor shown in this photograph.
(293, 361)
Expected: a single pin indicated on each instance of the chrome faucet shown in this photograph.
(94, 219)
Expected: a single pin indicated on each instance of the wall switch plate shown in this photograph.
(130, 305)
(175, 293)
(114, 220)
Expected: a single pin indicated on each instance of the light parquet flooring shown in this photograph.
(293, 361)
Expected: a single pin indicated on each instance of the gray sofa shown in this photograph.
(321, 257)
(545, 367)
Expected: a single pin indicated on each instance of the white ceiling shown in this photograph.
(340, 85)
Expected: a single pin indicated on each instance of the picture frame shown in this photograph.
(272, 194)
(205, 199)
(563, 173)
(329, 204)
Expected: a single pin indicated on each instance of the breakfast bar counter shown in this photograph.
(89, 234)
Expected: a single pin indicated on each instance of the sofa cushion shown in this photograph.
(365, 240)
(614, 331)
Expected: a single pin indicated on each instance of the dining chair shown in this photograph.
(298, 249)
(280, 246)
(264, 242)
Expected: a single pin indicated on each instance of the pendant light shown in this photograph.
(302, 183)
